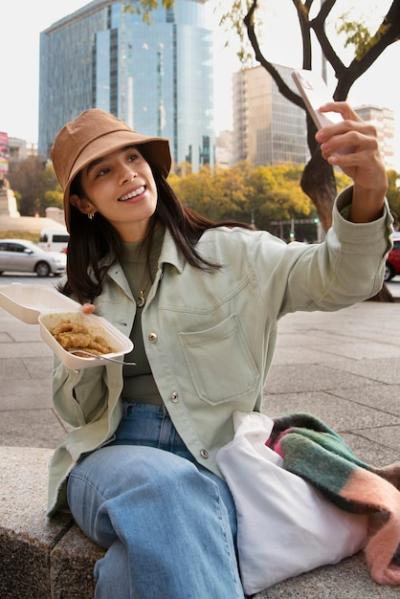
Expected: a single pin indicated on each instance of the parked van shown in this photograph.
(54, 240)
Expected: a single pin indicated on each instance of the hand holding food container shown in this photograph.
(72, 331)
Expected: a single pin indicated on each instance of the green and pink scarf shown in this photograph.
(315, 452)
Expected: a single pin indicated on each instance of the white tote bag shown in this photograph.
(285, 526)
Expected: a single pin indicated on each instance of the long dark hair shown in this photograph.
(95, 245)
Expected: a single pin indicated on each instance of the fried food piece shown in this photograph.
(71, 340)
(66, 326)
(74, 336)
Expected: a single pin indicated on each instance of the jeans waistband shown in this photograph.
(129, 407)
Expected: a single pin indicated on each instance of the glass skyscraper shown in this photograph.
(157, 77)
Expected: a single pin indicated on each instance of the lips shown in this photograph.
(133, 194)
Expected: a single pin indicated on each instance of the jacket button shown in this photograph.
(153, 337)
(174, 397)
(204, 453)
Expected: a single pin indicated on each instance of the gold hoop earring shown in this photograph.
(91, 215)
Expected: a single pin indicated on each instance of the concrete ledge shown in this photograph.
(52, 559)
(39, 558)
(71, 566)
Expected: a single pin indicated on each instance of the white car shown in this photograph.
(54, 240)
(19, 255)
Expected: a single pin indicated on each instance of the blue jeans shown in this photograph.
(169, 525)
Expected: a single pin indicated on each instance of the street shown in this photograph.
(29, 279)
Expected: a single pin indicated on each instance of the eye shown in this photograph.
(102, 171)
(133, 156)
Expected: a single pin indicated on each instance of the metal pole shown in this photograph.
(291, 235)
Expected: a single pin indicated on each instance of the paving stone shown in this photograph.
(24, 350)
(21, 332)
(4, 338)
(369, 451)
(389, 436)
(385, 370)
(39, 368)
(364, 351)
(25, 394)
(338, 413)
(307, 339)
(354, 346)
(309, 377)
(385, 398)
(301, 355)
(30, 428)
(11, 368)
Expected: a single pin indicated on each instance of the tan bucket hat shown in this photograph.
(93, 134)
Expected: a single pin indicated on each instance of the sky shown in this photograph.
(23, 20)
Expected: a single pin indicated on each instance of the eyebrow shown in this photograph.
(97, 161)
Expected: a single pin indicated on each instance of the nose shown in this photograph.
(126, 173)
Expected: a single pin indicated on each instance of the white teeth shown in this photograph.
(132, 194)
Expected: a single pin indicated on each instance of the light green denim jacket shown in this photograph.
(209, 337)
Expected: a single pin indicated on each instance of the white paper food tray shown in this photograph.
(36, 304)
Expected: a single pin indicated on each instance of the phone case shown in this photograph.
(315, 94)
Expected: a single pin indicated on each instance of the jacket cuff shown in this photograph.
(373, 234)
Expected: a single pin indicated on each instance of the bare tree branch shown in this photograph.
(304, 22)
(318, 25)
(284, 89)
(386, 34)
(325, 9)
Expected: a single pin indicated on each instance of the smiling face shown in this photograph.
(121, 187)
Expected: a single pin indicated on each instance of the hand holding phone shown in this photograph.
(315, 94)
(357, 155)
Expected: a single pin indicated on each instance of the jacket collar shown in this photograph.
(116, 273)
(169, 254)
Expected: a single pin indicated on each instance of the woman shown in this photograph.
(201, 303)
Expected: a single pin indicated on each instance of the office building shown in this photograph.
(157, 77)
(20, 149)
(224, 149)
(268, 128)
(383, 119)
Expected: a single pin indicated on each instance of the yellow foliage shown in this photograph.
(245, 192)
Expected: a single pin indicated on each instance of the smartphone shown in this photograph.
(315, 93)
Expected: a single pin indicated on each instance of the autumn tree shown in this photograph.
(25, 178)
(244, 192)
(36, 185)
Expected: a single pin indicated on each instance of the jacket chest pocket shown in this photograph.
(220, 363)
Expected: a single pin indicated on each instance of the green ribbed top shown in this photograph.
(139, 384)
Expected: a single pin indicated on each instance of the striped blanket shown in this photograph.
(315, 452)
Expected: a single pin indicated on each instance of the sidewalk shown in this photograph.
(343, 367)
